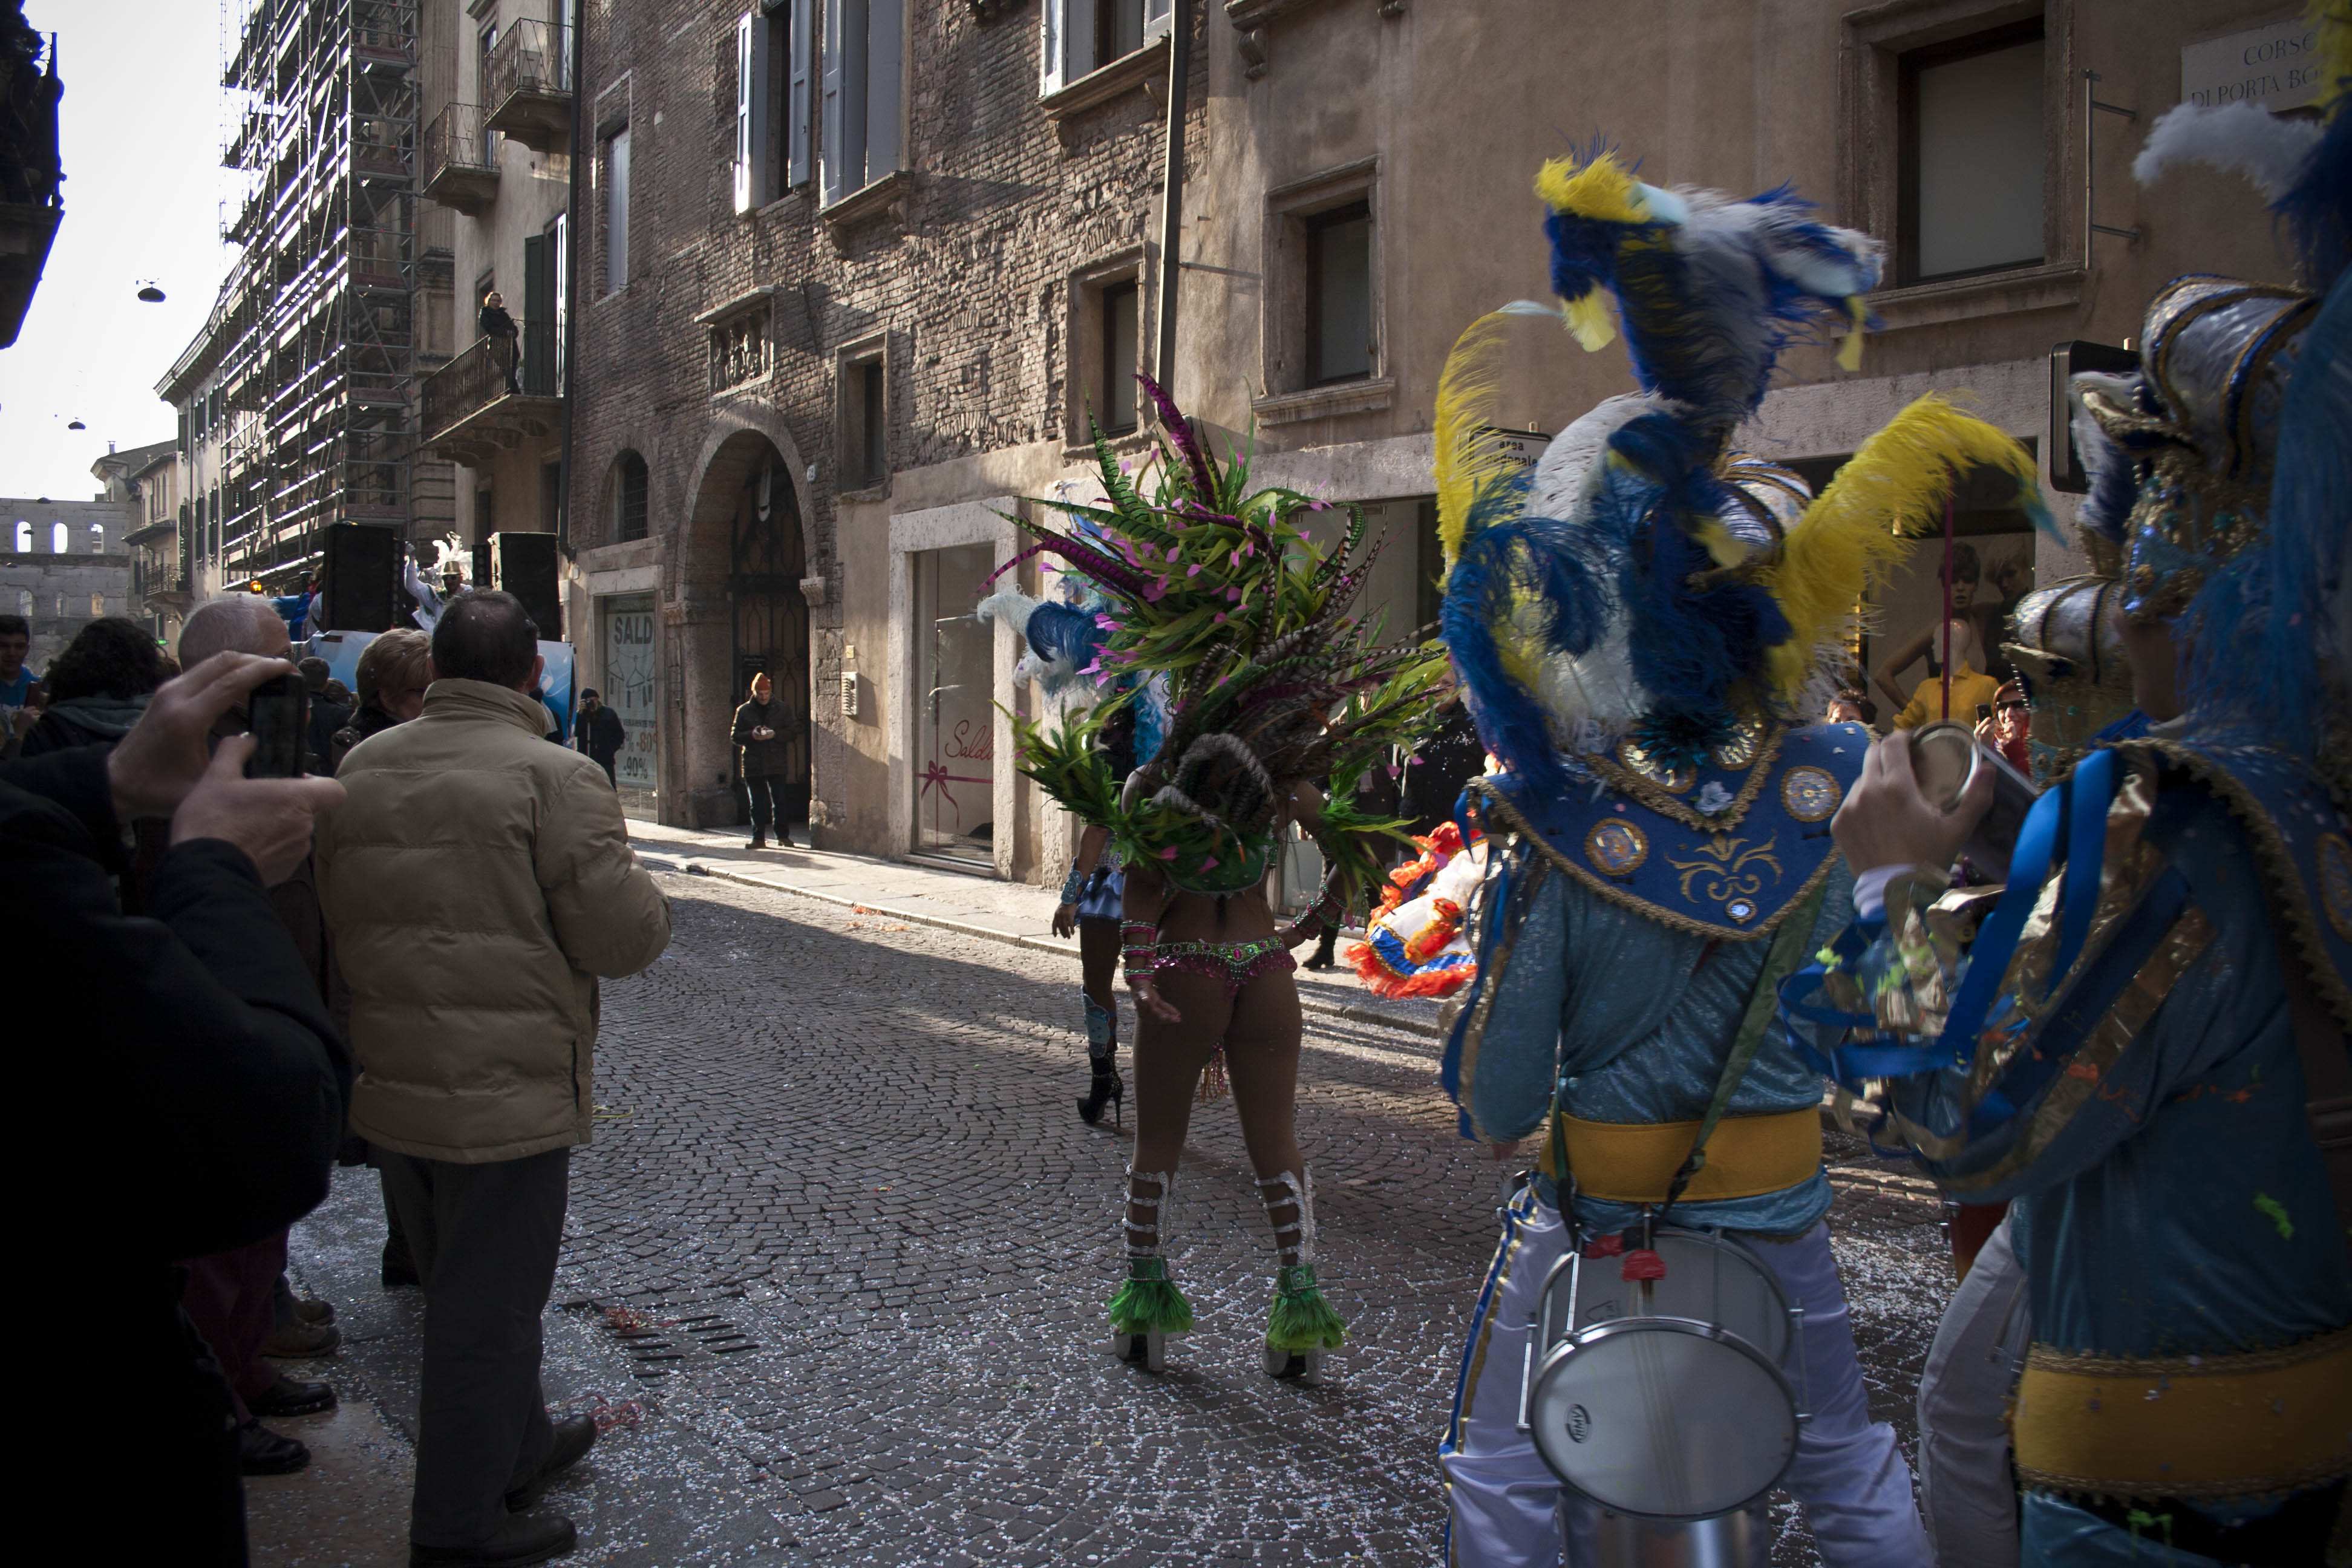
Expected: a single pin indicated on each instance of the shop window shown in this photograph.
(631, 483)
(1971, 144)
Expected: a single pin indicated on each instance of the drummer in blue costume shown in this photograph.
(2134, 1040)
(1642, 628)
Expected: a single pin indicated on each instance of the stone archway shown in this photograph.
(737, 609)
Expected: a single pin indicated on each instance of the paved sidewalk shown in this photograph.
(967, 902)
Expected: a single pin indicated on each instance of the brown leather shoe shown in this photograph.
(298, 1339)
(292, 1396)
(522, 1538)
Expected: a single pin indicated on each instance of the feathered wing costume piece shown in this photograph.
(1272, 675)
(1647, 584)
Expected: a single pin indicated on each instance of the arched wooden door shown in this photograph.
(763, 587)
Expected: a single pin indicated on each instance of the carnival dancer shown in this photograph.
(1643, 627)
(2143, 1041)
(1059, 639)
(1273, 680)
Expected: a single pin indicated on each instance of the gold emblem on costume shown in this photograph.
(2336, 882)
(1724, 862)
(1810, 794)
(1679, 781)
(1742, 749)
(1616, 846)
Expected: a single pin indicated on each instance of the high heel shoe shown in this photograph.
(1106, 1085)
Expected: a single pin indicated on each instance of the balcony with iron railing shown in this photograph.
(30, 172)
(495, 395)
(461, 160)
(527, 92)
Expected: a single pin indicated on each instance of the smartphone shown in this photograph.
(1945, 756)
(276, 714)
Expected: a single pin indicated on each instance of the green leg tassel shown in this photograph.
(1302, 1319)
(1150, 1301)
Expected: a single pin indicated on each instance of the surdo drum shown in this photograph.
(1664, 1400)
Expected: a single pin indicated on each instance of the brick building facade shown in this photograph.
(886, 347)
(808, 387)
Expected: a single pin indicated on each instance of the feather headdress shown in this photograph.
(1646, 582)
(1273, 675)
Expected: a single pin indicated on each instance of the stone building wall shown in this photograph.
(961, 269)
(60, 593)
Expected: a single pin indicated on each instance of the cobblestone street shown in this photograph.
(836, 1262)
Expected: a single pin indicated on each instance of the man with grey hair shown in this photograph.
(237, 623)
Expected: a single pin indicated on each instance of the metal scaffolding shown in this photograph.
(320, 361)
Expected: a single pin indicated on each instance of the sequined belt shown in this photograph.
(2193, 1427)
(1635, 1162)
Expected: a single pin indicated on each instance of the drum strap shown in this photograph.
(1790, 945)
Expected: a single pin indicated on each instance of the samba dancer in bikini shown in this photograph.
(1274, 680)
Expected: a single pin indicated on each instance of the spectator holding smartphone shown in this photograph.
(221, 1091)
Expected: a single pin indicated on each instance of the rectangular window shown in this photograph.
(1340, 294)
(1969, 138)
(616, 211)
(629, 498)
(482, 88)
(862, 55)
(1083, 36)
(864, 422)
(1119, 329)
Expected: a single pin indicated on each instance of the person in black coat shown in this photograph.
(598, 731)
(498, 329)
(97, 686)
(190, 1089)
(770, 754)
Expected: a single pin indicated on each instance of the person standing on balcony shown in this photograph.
(498, 330)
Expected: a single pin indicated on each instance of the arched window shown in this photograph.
(630, 485)
(24, 545)
(59, 540)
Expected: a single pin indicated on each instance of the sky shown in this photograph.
(140, 136)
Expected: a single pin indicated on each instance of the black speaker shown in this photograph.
(523, 564)
(359, 578)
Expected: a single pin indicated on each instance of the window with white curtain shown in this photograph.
(1972, 155)
(864, 56)
(1083, 36)
(773, 52)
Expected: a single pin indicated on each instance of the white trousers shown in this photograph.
(1966, 1488)
(1505, 1507)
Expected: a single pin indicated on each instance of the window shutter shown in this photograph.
(1050, 28)
(886, 23)
(833, 148)
(797, 104)
(746, 42)
(1077, 39)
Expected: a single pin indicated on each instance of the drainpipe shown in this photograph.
(1171, 211)
(572, 236)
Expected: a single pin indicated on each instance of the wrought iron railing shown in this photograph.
(490, 369)
(456, 139)
(530, 57)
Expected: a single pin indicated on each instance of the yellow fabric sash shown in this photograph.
(1635, 1162)
(2210, 1427)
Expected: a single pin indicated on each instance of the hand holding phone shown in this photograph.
(276, 712)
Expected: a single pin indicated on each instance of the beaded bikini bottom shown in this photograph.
(1234, 962)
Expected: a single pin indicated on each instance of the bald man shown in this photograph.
(239, 622)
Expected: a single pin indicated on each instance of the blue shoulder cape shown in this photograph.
(1726, 850)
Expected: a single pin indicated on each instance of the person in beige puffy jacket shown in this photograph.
(479, 882)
